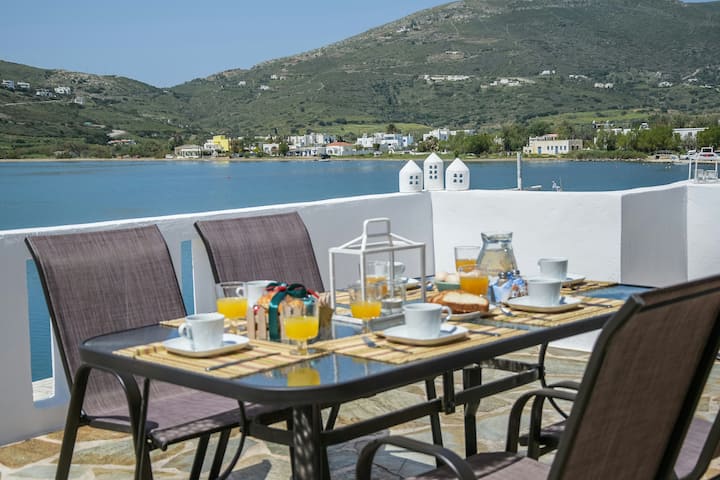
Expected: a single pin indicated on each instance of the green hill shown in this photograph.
(472, 63)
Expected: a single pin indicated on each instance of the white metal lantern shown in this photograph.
(457, 176)
(433, 172)
(376, 239)
(411, 178)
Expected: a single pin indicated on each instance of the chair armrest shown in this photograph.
(128, 383)
(539, 397)
(364, 466)
(568, 384)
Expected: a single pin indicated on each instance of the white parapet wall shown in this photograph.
(653, 236)
(584, 227)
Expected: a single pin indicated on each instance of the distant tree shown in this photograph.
(709, 137)
(283, 149)
(478, 143)
(429, 145)
(657, 138)
(391, 128)
(538, 128)
(606, 140)
(565, 130)
(514, 137)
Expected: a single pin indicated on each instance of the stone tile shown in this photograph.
(88, 434)
(27, 452)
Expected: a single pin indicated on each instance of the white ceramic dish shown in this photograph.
(183, 346)
(573, 279)
(442, 286)
(525, 304)
(448, 333)
(412, 283)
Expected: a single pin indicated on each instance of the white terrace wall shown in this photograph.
(651, 236)
(585, 227)
(703, 230)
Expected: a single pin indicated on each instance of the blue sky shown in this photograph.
(168, 42)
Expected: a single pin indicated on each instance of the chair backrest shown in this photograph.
(269, 247)
(642, 384)
(100, 282)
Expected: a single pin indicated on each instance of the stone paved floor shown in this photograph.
(105, 455)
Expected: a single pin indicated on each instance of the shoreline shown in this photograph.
(417, 158)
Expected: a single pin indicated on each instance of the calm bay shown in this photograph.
(35, 194)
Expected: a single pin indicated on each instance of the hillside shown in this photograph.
(381, 75)
(472, 63)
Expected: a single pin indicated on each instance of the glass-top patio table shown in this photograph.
(348, 369)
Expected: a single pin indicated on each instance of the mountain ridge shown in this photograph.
(472, 63)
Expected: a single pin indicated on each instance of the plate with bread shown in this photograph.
(464, 305)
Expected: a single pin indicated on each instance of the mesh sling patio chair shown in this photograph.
(700, 446)
(100, 282)
(267, 247)
(635, 402)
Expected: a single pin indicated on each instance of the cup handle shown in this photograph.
(448, 311)
(239, 292)
(184, 330)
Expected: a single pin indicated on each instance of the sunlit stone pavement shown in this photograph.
(105, 455)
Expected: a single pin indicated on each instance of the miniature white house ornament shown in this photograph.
(457, 176)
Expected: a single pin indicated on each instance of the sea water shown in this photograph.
(59, 193)
(37, 194)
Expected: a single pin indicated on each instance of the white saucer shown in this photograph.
(448, 333)
(526, 304)
(183, 346)
(573, 279)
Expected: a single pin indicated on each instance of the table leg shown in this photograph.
(307, 444)
(472, 376)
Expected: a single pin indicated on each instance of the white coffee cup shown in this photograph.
(423, 320)
(203, 330)
(554, 267)
(255, 289)
(543, 291)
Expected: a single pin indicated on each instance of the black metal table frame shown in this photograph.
(308, 437)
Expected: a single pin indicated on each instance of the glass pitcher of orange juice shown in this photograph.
(496, 255)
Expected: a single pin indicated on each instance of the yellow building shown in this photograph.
(222, 141)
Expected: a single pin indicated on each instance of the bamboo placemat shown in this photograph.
(342, 298)
(261, 355)
(584, 310)
(234, 326)
(586, 286)
(397, 353)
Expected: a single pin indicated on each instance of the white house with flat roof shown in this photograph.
(337, 149)
(551, 145)
(688, 133)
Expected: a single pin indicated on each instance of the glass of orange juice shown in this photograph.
(377, 272)
(300, 322)
(466, 255)
(473, 279)
(367, 306)
(231, 300)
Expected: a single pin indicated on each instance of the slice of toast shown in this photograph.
(461, 302)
